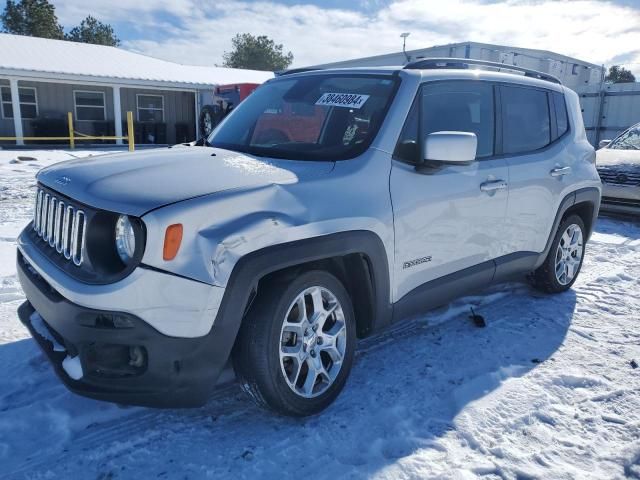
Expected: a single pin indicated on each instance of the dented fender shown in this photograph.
(221, 228)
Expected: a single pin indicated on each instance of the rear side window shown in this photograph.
(561, 113)
(460, 107)
(525, 118)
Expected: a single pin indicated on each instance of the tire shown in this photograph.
(210, 117)
(565, 256)
(267, 367)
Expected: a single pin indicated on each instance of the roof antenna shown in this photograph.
(404, 45)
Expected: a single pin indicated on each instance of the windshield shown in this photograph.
(629, 140)
(318, 117)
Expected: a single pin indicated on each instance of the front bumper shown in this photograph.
(176, 372)
(622, 199)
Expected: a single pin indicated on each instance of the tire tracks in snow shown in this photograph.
(108, 439)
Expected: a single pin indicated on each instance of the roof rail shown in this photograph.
(296, 70)
(465, 63)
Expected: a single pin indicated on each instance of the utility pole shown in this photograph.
(601, 98)
(404, 45)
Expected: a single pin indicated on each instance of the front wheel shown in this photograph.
(296, 345)
(564, 261)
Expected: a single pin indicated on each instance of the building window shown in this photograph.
(89, 106)
(150, 108)
(574, 69)
(28, 102)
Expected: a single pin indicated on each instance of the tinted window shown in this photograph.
(460, 107)
(561, 113)
(526, 124)
(629, 140)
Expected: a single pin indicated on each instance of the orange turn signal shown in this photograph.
(172, 240)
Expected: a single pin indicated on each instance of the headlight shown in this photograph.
(125, 239)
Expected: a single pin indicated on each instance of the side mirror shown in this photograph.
(450, 147)
(604, 143)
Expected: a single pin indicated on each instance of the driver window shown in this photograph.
(461, 107)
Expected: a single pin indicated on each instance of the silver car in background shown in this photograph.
(618, 164)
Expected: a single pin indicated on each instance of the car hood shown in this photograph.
(608, 157)
(135, 183)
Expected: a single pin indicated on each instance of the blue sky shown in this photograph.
(316, 31)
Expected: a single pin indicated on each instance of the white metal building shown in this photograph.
(573, 72)
(609, 110)
(42, 79)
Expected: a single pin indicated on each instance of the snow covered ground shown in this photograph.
(547, 390)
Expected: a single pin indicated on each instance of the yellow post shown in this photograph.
(72, 142)
(130, 131)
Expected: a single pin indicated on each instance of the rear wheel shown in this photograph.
(296, 345)
(564, 261)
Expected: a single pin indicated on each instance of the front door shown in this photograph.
(453, 216)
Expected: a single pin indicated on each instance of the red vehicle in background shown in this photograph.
(225, 98)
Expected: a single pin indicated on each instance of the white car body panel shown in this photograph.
(174, 306)
(249, 219)
(445, 218)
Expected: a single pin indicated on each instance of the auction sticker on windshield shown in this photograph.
(349, 100)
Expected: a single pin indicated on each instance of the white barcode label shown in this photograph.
(349, 100)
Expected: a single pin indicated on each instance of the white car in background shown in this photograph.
(618, 163)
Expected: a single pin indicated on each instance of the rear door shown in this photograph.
(444, 222)
(536, 145)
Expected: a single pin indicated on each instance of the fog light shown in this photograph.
(136, 357)
(105, 320)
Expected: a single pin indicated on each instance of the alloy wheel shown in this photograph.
(313, 342)
(569, 254)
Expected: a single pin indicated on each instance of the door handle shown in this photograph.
(493, 185)
(560, 171)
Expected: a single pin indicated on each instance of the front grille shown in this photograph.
(60, 225)
(621, 202)
(619, 176)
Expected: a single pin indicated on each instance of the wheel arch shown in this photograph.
(355, 272)
(357, 258)
(584, 202)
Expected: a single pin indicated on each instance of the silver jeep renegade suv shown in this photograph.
(328, 205)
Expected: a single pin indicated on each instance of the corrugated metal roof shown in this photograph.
(58, 59)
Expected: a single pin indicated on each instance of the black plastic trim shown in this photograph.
(442, 290)
(180, 372)
(589, 195)
(251, 268)
(463, 64)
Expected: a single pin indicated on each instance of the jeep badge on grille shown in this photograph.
(64, 180)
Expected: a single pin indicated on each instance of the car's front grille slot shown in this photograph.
(619, 176)
(61, 226)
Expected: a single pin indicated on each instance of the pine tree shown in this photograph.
(35, 18)
(257, 53)
(94, 31)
